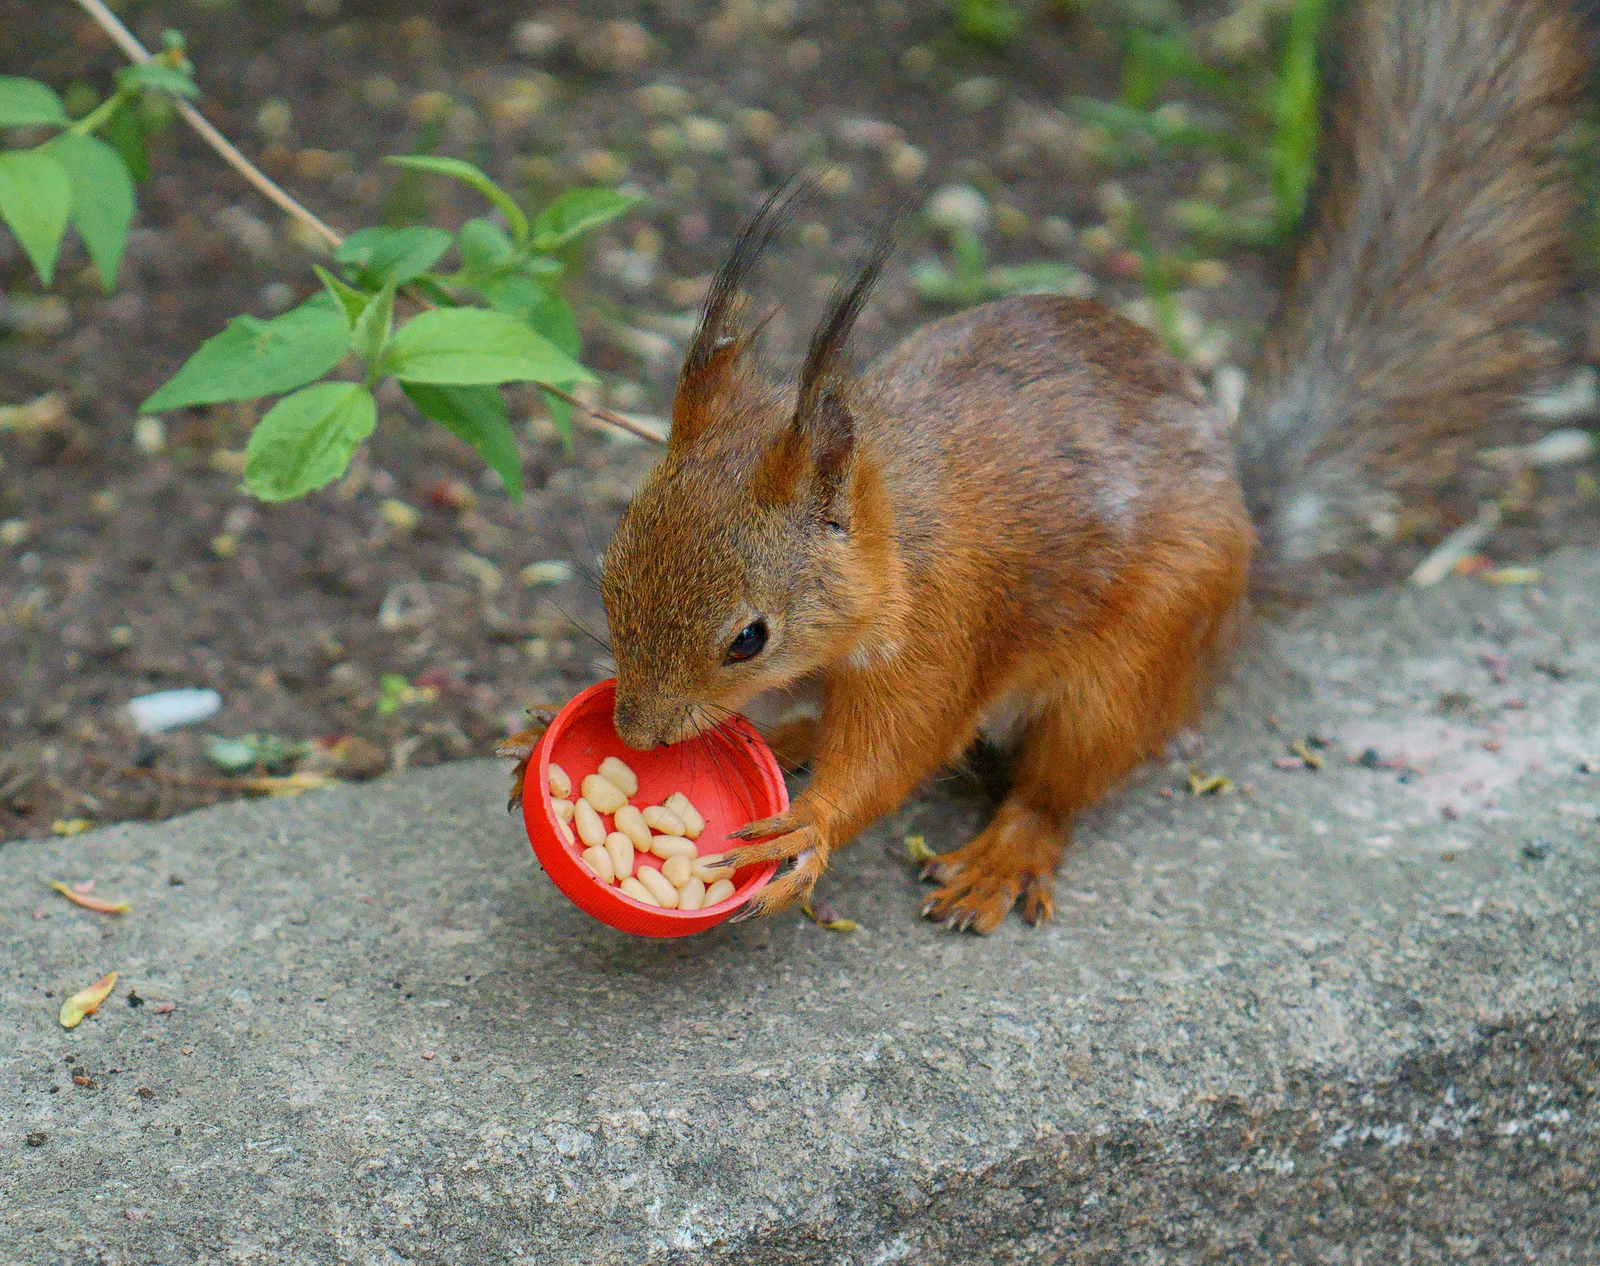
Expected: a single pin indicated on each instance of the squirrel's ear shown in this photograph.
(823, 421)
(717, 344)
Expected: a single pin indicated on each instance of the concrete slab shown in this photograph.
(1347, 1015)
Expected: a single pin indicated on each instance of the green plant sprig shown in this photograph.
(497, 318)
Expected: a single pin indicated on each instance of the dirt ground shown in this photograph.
(131, 561)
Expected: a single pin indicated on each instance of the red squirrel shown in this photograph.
(1027, 517)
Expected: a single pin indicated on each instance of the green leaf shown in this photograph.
(373, 327)
(575, 212)
(351, 301)
(125, 132)
(157, 74)
(102, 199)
(25, 102)
(259, 358)
(307, 439)
(35, 201)
(507, 291)
(554, 320)
(1296, 112)
(478, 416)
(471, 345)
(377, 256)
(484, 246)
(468, 174)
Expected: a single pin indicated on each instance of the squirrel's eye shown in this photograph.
(749, 642)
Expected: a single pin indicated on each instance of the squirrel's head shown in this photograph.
(754, 552)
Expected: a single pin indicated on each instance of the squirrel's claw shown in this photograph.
(763, 828)
(788, 889)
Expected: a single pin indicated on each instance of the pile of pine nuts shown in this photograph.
(683, 881)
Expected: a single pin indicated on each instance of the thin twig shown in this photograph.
(621, 421)
(125, 40)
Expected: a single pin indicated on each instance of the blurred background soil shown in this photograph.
(130, 559)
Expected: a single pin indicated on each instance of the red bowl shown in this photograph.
(729, 774)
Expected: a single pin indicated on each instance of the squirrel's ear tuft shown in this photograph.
(717, 344)
(823, 420)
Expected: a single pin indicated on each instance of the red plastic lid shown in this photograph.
(729, 774)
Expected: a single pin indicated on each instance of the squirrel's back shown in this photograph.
(1435, 240)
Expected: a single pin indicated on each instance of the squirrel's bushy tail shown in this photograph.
(1435, 238)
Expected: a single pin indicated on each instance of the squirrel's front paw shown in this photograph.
(810, 853)
(520, 747)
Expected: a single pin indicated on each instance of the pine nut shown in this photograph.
(633, 888)
(663, 820)
(590, 829)
(566, 832)
(709, 868)
(678, 869)
(563, 809)
(631, 823)
(603, 794)
(719, 891)
(664, 846)
(599, 861)
(660, 888)
(619, 776)
(692, 895)
(693, 823)
(560, 784)
(620, 848)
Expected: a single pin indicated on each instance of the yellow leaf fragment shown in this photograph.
(1302, 749)
(97, 904)
(917, 846)
(288, 784)
(1513, 576)
(71, 826)
(87, 1001)
(831, 925)
(1212, 785)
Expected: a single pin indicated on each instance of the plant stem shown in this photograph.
(99, 116)
(125, 40)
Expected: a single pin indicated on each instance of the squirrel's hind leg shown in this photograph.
(1075, 745)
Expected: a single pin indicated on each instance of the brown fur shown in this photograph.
(1405, 333)
(1035, 508)
(1028, 510)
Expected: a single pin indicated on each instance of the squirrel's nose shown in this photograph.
(631, 729)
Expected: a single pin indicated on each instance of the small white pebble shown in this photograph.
(619, 776)
(718, 892)
(659, 887)
(598, 860)
(603, 794)
(560, 784)
(590, 829)
(168, 709)
(633, 888)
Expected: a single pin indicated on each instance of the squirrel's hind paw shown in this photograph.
(1014, 859)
